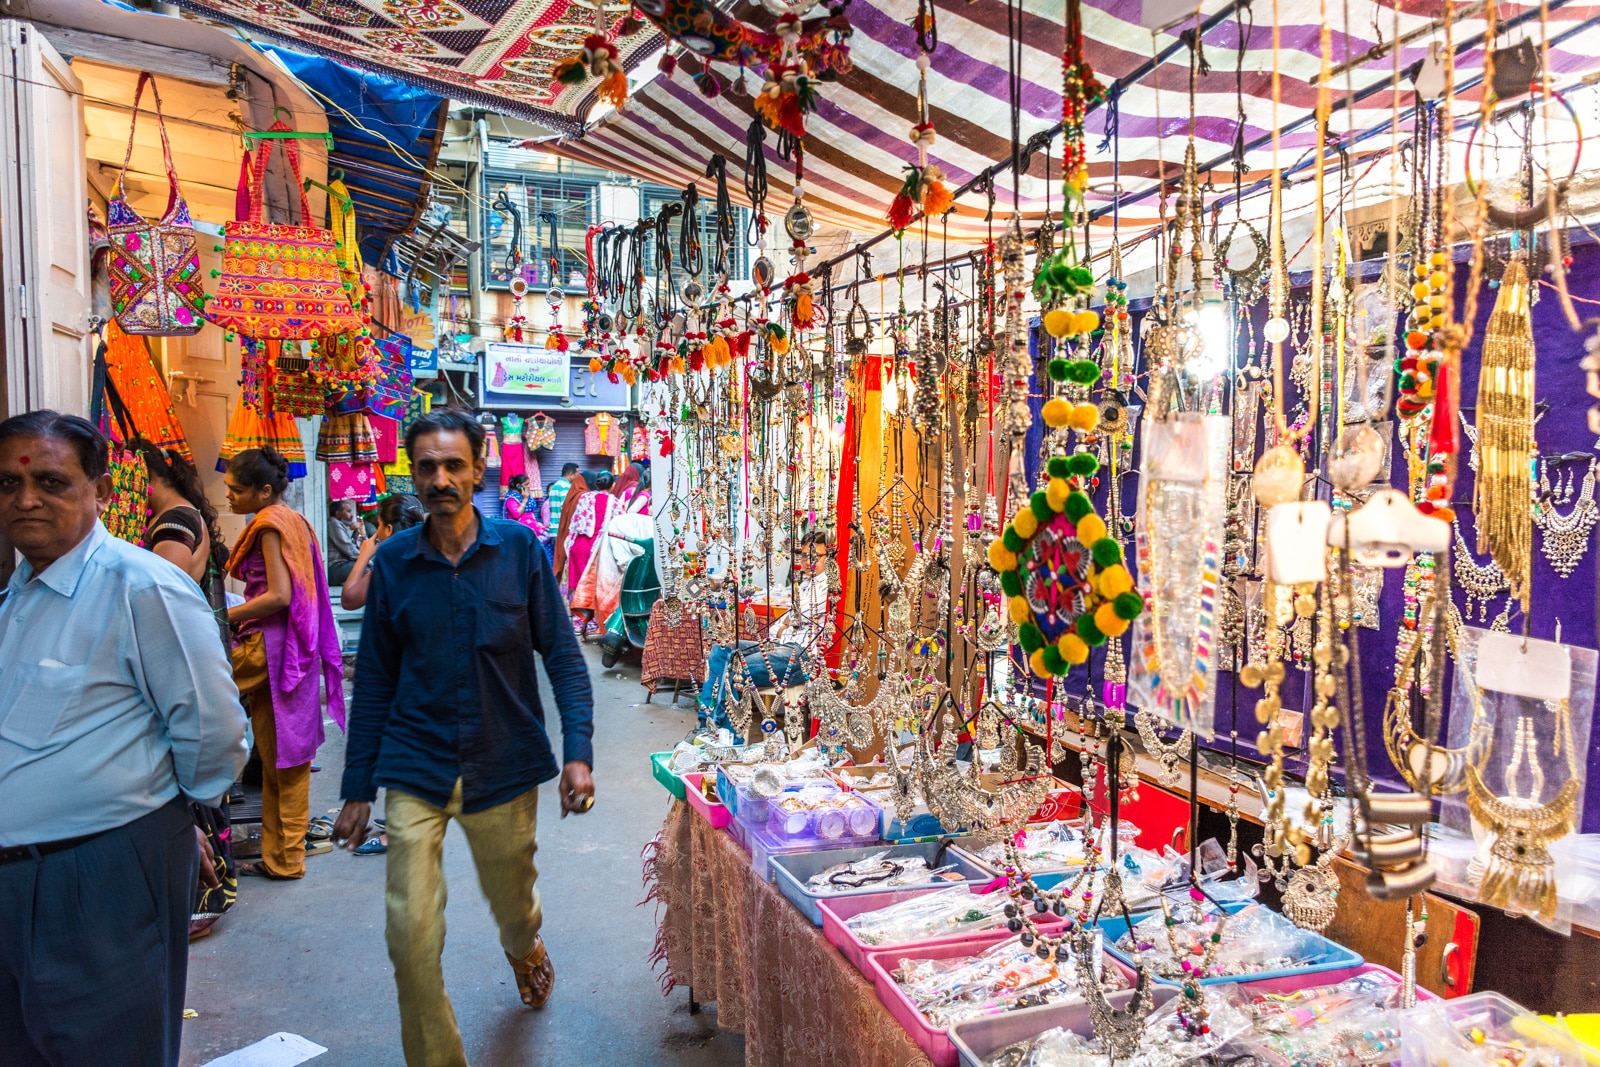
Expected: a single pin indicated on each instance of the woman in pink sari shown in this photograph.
(589, 518)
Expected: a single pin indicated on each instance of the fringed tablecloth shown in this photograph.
(673, 652)
(732, 937)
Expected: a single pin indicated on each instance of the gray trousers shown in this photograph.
(94, 947)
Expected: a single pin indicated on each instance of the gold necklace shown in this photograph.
(1520, 876)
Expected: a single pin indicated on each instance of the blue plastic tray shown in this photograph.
(791, 872)
(1333, 956)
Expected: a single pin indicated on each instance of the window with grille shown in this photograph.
(657, 196)
(556, 211)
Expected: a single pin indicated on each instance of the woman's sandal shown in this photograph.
(259, 870)
(536, 975)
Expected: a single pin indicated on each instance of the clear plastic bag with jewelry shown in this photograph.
(1513, 765)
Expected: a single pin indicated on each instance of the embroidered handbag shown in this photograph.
(294, 389)
(125, 513)
(280, 282)
(154, 267)
(388, 389)
(541, 432)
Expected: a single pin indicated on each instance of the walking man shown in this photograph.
(446, 715)
(117, 707)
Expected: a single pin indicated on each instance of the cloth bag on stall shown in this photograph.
(388, 390)
(125, 514)
(154, 267)
(280, 282)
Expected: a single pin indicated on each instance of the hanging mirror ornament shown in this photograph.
(761, 272)
(1279, 475)
(1357, 459)
(797, 221)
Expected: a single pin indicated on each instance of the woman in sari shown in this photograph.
(286, 652)
(589, 517)
(579, 486)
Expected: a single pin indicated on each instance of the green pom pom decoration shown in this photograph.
(1011, 583)
(1084, 371)
(1059, 369)
(1012, 540)
(1089, 631)
(1106, 552)
(1040, 503)
(1129, 605)
(1083, 464)
(1029, 637)
(1059, 467)
(1054, 661)
(1078, 505)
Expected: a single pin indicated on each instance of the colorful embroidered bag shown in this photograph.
(154, 267)
(280, 282)
(126, 513)
(295, 390)
(388, 389)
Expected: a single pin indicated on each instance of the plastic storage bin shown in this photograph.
(792, 872)
(1330, 957)
(931, 1039)
(847, 819)
(661, 767)
(977, 1040)
(1435, 1035)
(733, 793)
(837, 910)
(713, 812)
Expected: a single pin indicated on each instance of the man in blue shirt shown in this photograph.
(117, 707)
(446, 715)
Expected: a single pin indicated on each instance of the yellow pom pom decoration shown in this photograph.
(1108, 622)
(1056, 412)
(1084, 417)
(1086, 322)
(1072, 648)
(1001, 558)
(1421, 290)
(1026, 523)
(1036, 661)
(1114, 580)
(1058, 323)
(1091, 528)
(1056, 492)
(1019, 610)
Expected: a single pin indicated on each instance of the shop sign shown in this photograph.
(526, 372)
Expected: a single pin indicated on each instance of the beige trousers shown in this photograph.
(502, 843)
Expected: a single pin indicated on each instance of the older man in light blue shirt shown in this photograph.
(117, 705)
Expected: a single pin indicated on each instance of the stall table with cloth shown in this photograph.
(731, 937)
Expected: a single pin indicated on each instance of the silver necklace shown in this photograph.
(1566, 537)
(1482, 582)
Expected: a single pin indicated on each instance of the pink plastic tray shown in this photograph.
(933, 1040)
(1293, 982)
(835, 910)
(715, 814)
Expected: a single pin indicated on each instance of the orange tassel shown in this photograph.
(614, 89)
(936, 198)
(803, 311)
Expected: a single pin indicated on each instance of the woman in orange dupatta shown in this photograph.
(286, 652)
(569, 507)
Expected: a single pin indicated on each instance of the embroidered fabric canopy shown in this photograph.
(494, 53)
(858, 142)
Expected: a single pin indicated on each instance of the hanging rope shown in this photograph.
(717, 167)
(755, 180)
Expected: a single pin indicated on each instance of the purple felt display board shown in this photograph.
(1560, 382)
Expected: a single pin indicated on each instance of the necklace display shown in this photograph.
(1565, 538)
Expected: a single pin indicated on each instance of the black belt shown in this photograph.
(18, 853)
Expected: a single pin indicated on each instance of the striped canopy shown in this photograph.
(858, 144)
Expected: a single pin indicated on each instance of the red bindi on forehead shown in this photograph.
(25, 461)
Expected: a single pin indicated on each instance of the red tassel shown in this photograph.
(1443, 434)
(902, 211)
(697, 359)
(666, 445)
(790, 115)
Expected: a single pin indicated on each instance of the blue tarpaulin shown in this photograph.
(384, 145)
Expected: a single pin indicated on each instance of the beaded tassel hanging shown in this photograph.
(1503, 489)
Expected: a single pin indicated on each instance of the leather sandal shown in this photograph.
(536, 975)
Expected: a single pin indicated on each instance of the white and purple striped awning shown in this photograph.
(857, 143)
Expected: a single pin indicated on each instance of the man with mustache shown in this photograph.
(446, 715)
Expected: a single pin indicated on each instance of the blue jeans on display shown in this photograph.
(713, 692)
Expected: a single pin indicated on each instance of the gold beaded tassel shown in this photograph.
(1502, 492)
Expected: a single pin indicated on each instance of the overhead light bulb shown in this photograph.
(1211, 329)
